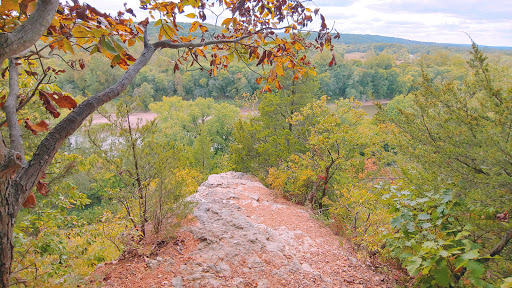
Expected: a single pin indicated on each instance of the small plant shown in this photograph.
(432, 244)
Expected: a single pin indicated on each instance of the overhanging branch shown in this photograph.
(29, 32)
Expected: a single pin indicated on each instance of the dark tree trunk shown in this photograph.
(10, 162)
(7, 216)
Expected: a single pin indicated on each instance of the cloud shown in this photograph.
(430, 21)
(444, 21)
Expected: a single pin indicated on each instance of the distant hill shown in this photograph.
(358, 41)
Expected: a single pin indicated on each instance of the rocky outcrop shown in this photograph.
(244, 235)
(246, 243)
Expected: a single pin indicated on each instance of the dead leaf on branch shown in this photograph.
(42, 188)
(42, 126)
(30, 202)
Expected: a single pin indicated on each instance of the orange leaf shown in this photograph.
(35, 128)
(278, 85)
(30, 202)
(204, 29)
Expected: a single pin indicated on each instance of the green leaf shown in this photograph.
(473, 254)
(397, 222)
(442, 275)
(429, 244)
(413, 264)
(423, 216)
(105, 43)
(475, 269)
(446, 197)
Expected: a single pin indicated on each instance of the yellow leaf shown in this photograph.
(80, 31)
(226, 22)
(279, 69)
(200, 52)
(193, 26)
(191, 15)
(9, 5)
(67, 46)
(203, 28)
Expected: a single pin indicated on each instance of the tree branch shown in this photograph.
(10, 110)
(48, 147)
(500, 246)
(28, 33)
(169, 44)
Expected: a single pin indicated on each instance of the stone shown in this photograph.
(255, 262)
(262, 284)
(152, 264)
(177, 282)
(306, 267)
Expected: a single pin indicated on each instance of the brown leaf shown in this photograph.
(30, 202)
(503, 217)
(333, 61)
(263, 57)
(81, 13)
(144, 22)
(42, 188)
(62, 100)
(48, 105)
(130, 11)
(42, 126)
(30, 73)
(81, 62)
(27, 6)
(4, 72)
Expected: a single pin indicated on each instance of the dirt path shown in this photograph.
(246, 237)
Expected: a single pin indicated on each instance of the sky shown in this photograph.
(488, 22)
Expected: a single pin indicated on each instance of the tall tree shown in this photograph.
(248, 35)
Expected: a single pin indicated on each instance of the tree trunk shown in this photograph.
(10, 162)
(7, 216)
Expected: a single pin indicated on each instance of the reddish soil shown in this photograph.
(309, 254)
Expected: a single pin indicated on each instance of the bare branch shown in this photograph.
(10, 110)
(29, 32)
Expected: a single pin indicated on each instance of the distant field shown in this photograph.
(355, 56)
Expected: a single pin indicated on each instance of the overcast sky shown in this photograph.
(489, 22)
